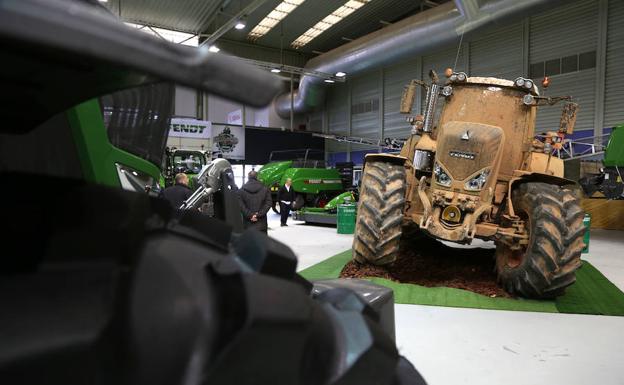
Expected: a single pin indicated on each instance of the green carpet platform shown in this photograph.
(592, 293)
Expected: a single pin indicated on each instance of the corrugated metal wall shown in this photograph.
(568, 30)
(337, 115)
(395, 79)
(614, 87)
(500, 51)
(365, 105)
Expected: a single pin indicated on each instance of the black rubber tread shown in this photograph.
(380, 214)
(554, 251)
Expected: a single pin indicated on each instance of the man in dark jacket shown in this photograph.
(255, 202)
(286, 198)
(179, 192)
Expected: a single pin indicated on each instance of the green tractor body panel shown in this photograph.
(313, 180)
(614, 154)
(271, 174)
(98, 157)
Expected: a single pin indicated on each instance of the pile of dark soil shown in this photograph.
(427, 262)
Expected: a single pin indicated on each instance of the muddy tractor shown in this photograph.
(474, 167)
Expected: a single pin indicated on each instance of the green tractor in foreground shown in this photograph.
(313, 184)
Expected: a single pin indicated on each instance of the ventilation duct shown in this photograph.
(407, 38)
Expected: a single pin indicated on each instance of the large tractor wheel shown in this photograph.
(547, 265)
(380, 213)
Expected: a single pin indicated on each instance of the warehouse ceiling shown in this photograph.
(206, 16)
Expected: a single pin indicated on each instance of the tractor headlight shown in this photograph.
(477, 182)
(447, 91)
(441, 177)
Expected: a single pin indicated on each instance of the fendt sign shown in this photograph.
(190, 128)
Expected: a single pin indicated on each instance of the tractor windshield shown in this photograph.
(137, 120)
(188, 162)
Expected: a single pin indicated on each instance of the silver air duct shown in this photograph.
(407, 38)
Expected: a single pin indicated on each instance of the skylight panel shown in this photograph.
(273, 18)
(335, 17)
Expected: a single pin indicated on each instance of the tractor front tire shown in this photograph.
(547, 265)
(380, 213)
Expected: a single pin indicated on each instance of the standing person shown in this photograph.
(179, 192)
(255, 202)
(286, 198)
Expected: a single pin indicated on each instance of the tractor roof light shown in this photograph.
(458, 77)
(524, 83)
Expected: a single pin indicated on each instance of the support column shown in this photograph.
(526, 26)
(381, 105)
(350, 120)
(601, 64)
(292, 103)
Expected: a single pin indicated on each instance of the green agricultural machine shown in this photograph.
(328, 213)
(609, 181)
(181, 160)
(313, 184)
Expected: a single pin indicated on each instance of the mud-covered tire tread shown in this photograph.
(380, 213)
(554, 252)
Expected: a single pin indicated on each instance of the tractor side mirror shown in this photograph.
(568, 118)
(434, 77)
(407, 100)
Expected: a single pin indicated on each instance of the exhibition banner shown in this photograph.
(235, 117)
(190, 128)
(228, 141)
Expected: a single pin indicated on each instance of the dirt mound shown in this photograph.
(430, 263)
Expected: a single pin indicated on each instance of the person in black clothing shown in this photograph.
(179, 192)
(255, 202)
(286, 198)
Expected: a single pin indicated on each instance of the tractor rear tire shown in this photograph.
(548, 263)
(380, 213)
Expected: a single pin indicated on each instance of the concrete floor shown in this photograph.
(470, 346)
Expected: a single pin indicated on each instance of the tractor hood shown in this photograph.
(464, 150)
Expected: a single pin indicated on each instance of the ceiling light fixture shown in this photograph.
(276, 70)
(273, 18)
(341, 74)
(329, 81)
(214, 48)
(240, 25)
(348, 8)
